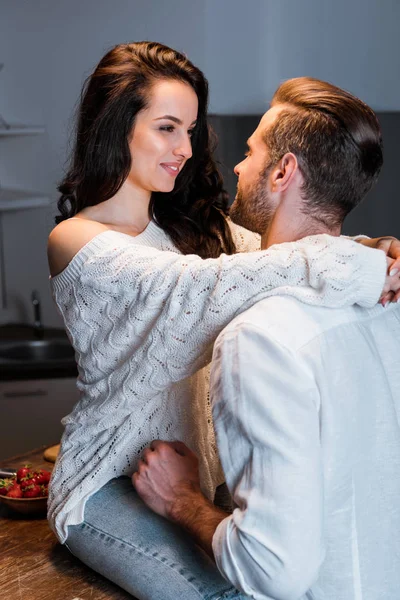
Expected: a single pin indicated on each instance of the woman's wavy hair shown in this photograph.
(193, 214)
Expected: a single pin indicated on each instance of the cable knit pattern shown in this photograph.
(143, 323)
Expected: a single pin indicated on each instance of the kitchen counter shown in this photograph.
(35, 566)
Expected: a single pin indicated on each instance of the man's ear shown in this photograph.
(284, 172)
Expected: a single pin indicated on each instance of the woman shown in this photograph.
(142, 321)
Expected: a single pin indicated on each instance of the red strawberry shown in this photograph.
(15, 491)
(33, 491)
(45, 490)
(5, 485)
(42, 476)
(27, 482)
(23, 472)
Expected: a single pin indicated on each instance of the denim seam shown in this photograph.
(225, 595)
(143, 552)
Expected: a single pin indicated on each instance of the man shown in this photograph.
(306, 400)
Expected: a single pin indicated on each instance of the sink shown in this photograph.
(31, 351)
(25, 356)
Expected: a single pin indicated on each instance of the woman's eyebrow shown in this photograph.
(174, 119)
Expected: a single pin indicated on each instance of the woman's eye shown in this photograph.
(190, 132)
(169, 128)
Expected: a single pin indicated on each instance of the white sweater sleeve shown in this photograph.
(245, 240)
(265, 408)
(164, 309)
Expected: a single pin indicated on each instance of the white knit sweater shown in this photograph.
(142, 323)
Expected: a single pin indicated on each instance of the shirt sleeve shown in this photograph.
(265, 407)
(164, 310)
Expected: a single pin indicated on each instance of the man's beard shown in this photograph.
(252, 209)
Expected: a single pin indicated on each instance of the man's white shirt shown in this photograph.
(306, 405)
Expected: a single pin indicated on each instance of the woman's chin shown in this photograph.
(165, 187)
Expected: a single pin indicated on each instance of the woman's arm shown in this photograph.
(245, 240)
(391, 247)
(163, 310)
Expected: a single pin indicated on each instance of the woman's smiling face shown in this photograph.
(161, 139)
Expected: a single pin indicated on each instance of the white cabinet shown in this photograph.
(16, 199)
(13, 130)
(13, 199)
(31, 413)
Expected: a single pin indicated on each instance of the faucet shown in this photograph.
(37, 324)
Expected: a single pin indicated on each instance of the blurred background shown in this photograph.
(246, 49)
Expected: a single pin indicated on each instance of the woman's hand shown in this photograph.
(391, 247)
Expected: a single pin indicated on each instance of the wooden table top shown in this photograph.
(35, 566)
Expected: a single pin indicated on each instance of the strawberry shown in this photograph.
(42, 476)
(33, 491)
(15, 491)
(5, 485)
(27, 481)
(45, 490)
(23, 472)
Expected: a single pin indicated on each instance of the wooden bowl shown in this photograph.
(26, 506)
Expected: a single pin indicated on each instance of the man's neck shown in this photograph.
(290, 230)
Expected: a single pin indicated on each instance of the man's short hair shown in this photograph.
(337, 141)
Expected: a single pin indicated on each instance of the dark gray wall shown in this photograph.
(379, 213)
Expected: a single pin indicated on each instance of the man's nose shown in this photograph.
(236, 169)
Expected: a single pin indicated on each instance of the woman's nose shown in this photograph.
(185, 147)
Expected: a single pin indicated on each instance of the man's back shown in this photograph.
(307, 409)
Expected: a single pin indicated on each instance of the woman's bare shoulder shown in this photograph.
(67, 238)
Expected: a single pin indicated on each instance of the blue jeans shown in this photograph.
(142, 552)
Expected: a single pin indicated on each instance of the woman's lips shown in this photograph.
(171, 168)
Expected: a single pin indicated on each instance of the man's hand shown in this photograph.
(168, 481)
(391, 247)
(167, 473)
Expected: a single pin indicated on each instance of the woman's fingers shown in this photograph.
(392, 281)
(389, 297)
